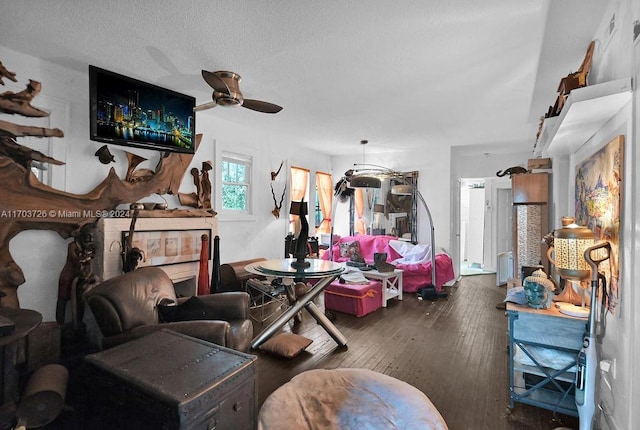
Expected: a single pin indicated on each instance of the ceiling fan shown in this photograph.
(226, 92)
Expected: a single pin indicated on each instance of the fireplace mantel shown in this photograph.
(109, 246)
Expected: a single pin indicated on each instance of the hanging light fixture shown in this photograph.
(402, 190)
(364, 181)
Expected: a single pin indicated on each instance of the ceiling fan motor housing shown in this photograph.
(234, 97)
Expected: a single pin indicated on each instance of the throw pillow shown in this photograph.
(192, 309)
(347, 249)
(287, 345)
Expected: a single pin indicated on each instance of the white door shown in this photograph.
(475, 229)
(504, 233)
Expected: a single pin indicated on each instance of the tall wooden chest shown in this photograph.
(169, 381)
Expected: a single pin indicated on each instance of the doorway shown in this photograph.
(485, 223)
(472, 217)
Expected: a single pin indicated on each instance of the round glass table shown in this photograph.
(324, 271)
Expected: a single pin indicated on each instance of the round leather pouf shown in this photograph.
(348, 399)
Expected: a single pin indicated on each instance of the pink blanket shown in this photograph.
(415, 275)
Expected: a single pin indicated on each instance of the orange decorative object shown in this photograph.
(203, 275)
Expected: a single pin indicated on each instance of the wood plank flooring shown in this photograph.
(453, 349)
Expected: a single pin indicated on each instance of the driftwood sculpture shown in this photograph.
(28, 204)
(202, 197)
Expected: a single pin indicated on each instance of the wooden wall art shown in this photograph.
(28, 204)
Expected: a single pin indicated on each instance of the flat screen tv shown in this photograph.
(129, 112)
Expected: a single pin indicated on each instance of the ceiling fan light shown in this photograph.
(365, 182)
(231, 99)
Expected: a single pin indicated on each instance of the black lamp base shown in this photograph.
(300, 263)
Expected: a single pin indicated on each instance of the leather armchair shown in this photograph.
(126, 307)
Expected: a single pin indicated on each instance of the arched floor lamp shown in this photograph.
(368, 176)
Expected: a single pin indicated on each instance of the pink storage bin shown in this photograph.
(354, 299)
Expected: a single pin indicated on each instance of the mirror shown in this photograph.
(385, 213)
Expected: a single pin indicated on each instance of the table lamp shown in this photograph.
(569, 244)
(302, 247)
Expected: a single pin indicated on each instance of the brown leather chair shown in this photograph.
(126, 307)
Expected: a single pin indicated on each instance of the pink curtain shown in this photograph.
(324, 182)
(359, 226)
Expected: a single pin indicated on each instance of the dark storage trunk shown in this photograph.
(170, 381)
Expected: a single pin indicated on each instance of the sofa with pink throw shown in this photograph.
(414, 260)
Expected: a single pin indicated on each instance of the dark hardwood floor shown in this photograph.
(453, 349)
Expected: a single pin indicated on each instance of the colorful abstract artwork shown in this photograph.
(598, 205)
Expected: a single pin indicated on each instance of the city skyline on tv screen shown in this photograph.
(127, 111)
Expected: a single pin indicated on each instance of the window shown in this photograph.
(236, 182)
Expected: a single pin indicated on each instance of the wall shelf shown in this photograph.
(586, 110)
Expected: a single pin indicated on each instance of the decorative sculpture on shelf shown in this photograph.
(202, 197)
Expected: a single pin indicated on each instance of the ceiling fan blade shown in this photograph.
(215, 82)
(260, 106)
(205, 106)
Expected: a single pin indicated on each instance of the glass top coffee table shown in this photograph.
(324, 271)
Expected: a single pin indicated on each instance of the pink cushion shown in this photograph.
(414, 275)
(368, 246)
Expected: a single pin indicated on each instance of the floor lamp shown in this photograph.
(368, 176)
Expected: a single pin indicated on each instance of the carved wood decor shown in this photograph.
(28, 204)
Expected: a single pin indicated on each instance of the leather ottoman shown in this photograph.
(170, 381)
(348, 399)
(354, 299)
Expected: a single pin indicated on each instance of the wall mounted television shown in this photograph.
(129, 112)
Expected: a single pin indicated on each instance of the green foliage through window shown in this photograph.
(236, 174)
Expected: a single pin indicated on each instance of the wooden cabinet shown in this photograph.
(530, 188)
(530, 192)
(543, 353)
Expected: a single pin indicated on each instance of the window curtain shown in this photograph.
(299, 185)
(359, 226)
(324, 182)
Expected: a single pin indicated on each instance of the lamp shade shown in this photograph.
(365, 182)
(569, 244)
(402, 190)
(298, 208)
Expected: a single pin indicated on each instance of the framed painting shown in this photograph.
(165, 247)
(598, 205)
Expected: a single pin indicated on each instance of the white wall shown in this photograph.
(41, 254)
(616, 57)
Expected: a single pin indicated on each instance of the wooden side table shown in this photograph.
(540, 337)
(391, 283)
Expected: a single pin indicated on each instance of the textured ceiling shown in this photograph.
(403, 75)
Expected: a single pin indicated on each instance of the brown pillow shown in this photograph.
(286, 344)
